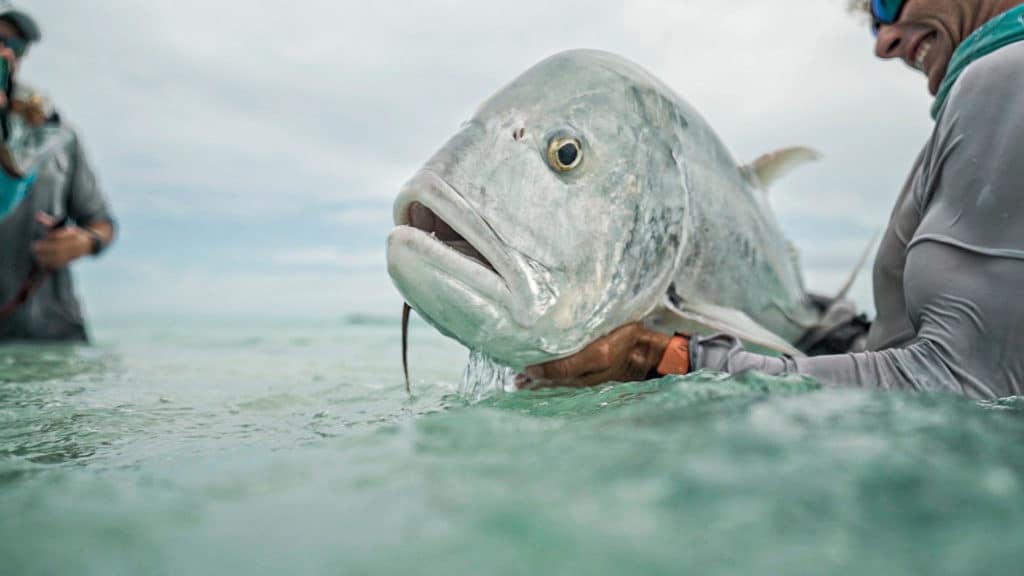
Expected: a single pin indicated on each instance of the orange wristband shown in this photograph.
(676, 359)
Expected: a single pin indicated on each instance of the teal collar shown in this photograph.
(13, 191)
(998, 32)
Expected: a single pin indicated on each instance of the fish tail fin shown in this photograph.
(770, 168)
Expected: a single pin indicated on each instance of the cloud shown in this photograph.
(142, 290)
(361, 216)
(247, 109)
(329, 257)
(275, 113)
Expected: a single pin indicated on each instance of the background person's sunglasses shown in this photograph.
(18, 45)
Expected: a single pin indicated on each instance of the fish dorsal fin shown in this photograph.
(771, 167)
(844, 291)
(704, 318)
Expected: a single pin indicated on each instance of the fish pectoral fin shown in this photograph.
(703, 318)
(770, 168)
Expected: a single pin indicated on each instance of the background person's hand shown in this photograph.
(629, 354)
(61, 246)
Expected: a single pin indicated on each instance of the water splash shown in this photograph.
(483, 378)
(1011, 404)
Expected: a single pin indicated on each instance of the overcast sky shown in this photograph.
(252, 149)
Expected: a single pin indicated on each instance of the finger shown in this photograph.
(46, 258)
(52, 246)
(636, 367)
(597, 357)
(566, 368)
(51, 258)
(60, 234)
(44, 249)
(522, 382)
(541, 385)
(54, 241)
(531, 384)
(45, 219)
(585, 381)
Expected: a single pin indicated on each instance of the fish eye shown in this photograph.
(565, 154)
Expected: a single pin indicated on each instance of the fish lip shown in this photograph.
(435, 193)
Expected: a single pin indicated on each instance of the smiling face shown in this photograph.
(928, 32)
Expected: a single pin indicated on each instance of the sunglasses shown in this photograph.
(18, 45)
(885, 12)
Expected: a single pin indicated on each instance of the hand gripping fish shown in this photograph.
(586, 195)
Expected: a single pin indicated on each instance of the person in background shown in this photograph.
(52, 211)
(949, 274)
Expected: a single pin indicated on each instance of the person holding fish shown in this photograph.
(588, 226)
(949, 273)
(52, 211)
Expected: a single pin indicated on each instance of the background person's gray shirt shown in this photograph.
(65, 186)
(949, 275)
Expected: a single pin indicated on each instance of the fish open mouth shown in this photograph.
(425, 219)
(421, 218)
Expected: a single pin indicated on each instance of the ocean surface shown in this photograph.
(180, 447)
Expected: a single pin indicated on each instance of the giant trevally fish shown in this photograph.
(584, 196)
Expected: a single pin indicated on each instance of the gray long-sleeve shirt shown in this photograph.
(64, 186)
(949, 275)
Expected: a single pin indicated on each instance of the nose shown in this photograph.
(890, 42)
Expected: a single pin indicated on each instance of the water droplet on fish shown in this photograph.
(484, 378)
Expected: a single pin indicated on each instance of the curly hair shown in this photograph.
(859, 6)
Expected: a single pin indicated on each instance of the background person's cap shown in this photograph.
(22, 20)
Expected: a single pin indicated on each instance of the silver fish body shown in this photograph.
(500, 247)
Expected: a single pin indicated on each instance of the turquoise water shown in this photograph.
(274, 448)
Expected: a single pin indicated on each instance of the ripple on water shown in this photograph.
(165, 457)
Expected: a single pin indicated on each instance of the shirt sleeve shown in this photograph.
(964, 272)
(968, 333)
(86, 202)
